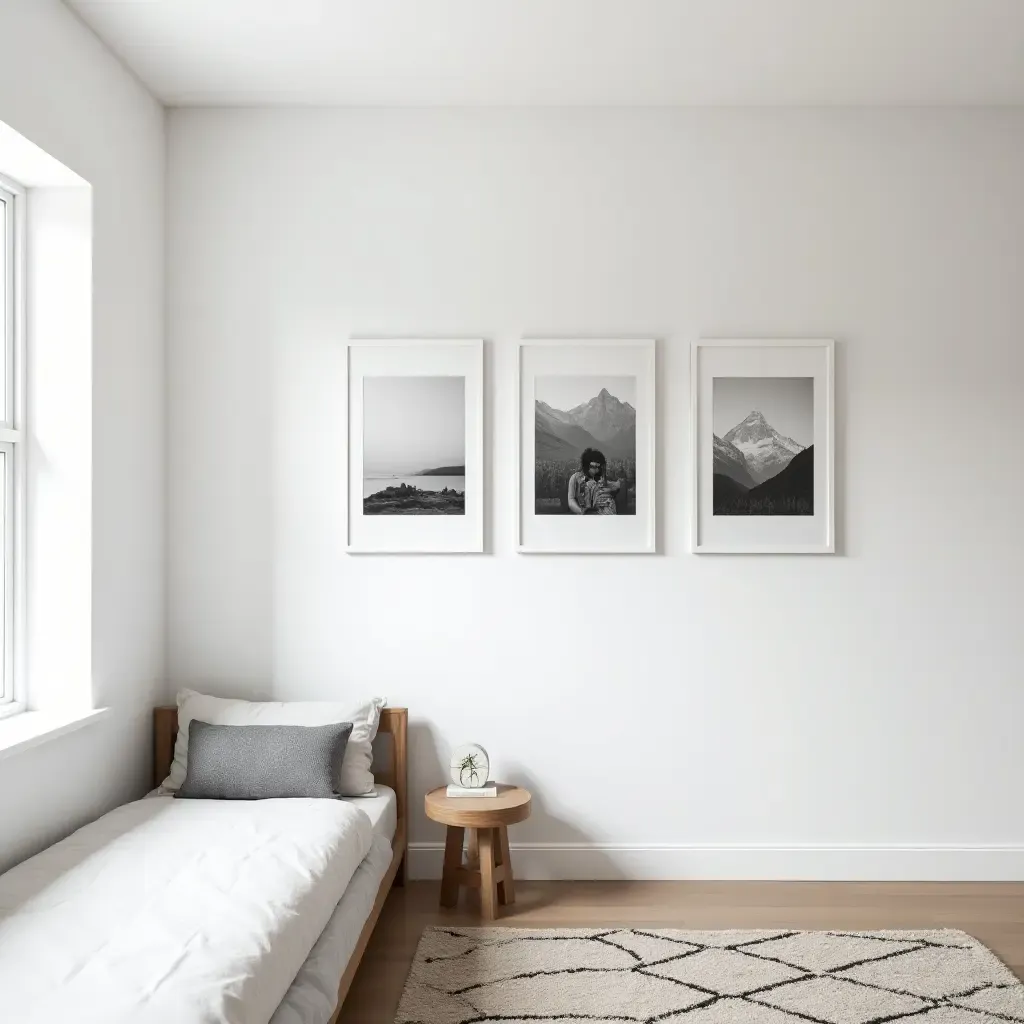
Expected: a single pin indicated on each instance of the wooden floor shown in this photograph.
(993, 913)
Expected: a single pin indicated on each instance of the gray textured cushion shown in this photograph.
(263, 762)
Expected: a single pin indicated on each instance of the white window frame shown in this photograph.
(13, 699)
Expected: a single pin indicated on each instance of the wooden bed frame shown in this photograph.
(394, 722)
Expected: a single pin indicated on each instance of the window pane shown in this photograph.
(5, 568)
(6, 249)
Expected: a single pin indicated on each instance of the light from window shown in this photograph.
(11, 210)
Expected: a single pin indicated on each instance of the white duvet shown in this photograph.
(175, 911)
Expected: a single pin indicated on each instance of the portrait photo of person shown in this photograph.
(585, 446)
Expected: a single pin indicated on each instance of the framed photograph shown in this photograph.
(763, 435)
(415, 446)
(586, 446)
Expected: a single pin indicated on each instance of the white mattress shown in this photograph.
(175, 911)
(314, 993)
(381, 809)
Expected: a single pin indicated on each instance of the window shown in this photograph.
(12, 206)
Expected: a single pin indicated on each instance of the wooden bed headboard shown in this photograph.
(394, 722)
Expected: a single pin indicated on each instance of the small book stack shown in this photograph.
(480, 793)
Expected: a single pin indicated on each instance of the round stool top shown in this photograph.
(512, 804)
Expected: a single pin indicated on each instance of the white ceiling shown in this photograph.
(569, 52)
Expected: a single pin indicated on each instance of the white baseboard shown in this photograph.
(925, 863)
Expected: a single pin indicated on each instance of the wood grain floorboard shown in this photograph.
(991, 912)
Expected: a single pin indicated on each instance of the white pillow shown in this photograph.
(356, 779)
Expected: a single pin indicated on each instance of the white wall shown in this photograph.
(61, 89)
(856, 715)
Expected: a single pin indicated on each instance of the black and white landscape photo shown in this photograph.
(763, 446)
(414, 446)
(585, 445)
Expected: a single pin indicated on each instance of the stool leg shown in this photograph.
(452, 864)
(488, 887)
(506, 887)
(473, 862)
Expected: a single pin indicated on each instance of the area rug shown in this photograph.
(632, 975)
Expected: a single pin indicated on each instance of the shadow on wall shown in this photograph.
(428, 769)
(562, 850)
(546, 846)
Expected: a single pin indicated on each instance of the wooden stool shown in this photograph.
(488, 865)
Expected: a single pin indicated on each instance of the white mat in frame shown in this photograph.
(555, 378)
(416, 376)
(726, 377)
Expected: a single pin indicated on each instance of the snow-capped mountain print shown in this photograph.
(765, 450)
(758, 468)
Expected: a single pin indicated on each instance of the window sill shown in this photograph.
(32, 728)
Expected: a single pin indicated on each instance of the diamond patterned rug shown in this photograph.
(634, 975)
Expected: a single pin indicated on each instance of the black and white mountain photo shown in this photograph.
(414, 446)
(585, 445)
(763, 446)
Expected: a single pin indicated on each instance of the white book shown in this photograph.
(486, 790)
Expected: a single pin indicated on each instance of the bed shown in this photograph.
(344, 938)
(170, 911)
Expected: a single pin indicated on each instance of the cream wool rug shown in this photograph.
(631, 975)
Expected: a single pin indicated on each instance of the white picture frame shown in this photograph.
(579, 365)
(416, 362)
(778, 369)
